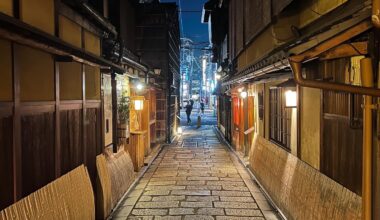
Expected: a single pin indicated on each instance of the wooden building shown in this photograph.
(158, 44)
(69, 71)
(317, 54)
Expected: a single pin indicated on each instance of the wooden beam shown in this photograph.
(346, 50)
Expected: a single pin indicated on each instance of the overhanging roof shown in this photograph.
(277, 61)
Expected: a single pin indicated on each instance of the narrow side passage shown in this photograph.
(196, 177)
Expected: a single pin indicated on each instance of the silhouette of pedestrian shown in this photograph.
(189, 108)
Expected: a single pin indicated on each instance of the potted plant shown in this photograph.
(123, 117)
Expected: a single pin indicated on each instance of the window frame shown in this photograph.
(279, 119)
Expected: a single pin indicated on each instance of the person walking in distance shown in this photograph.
(202, 107)
(188, 108)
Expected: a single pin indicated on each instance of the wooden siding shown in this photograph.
(72, 151)
(256, 19)
(341, 152)
(92, 141)
(6, 162)
(37, 141)
(6, 71)
(239, 25)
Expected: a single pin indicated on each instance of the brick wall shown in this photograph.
(300, 191)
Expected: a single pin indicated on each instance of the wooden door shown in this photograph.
(242, 125)
(236, 122)
(250, 121)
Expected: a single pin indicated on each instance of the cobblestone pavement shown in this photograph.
(196, 177)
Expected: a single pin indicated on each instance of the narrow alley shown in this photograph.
(190, 109)
(196, 177)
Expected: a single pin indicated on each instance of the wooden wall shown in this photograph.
(341, 124)
(41, 136)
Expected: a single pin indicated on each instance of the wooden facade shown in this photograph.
(158, 42)
(325, 129)
(59, 92)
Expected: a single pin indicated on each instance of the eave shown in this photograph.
(17, 31)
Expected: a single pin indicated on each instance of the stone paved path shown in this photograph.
(196, 177)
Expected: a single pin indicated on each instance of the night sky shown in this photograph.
(191, 21)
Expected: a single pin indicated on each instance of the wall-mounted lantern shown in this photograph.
(290, 99)
(138, 105)
(157, 71)
(139, 86)
(243, 94)
(290, 93)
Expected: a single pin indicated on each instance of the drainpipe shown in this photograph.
(376, 13)
(367, 81)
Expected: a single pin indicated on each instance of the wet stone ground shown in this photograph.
(196, 177)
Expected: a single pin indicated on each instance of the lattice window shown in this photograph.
(280, 118)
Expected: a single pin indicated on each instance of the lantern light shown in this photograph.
(218, 76)
(139, 105)
(244, 94)
(139, 86)
(179, 130)
(290, 99)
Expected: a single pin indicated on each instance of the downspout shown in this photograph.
(367, 81)
(376, 13)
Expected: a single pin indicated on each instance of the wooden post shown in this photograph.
(17, 150)
(114, 111)
(84, 120)
(57, 123)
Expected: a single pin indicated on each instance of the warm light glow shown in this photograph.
(157, 71)
(291, 99)
(240, 89)
(139, 105)
(139, 86)
(243, 94)
(218, 76)
(179, 130)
